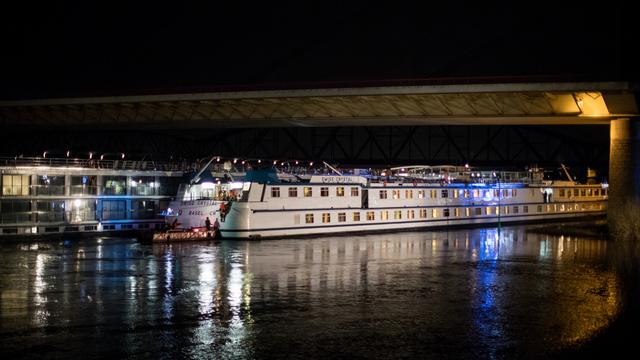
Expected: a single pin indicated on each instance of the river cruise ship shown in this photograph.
(268, 203)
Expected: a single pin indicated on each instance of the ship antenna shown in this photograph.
(566, 172)
(332, 168)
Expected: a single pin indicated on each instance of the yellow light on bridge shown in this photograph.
(591, 104)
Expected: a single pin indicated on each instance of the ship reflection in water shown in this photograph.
(464, 293)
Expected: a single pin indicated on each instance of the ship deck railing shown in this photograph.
(121, 164)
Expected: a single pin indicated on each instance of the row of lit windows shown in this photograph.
(455, 212)
(307, 191)
(582, 192)
(446, 193)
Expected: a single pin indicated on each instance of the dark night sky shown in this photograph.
(91, 50)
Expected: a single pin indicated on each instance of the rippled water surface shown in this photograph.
(472, 293)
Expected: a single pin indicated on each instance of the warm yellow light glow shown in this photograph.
(591, 104)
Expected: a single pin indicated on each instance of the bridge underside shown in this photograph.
(493, 104)
(476, 123)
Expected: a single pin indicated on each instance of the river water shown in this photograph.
(470, 293)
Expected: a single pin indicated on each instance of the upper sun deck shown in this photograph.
(419, 174)
(95, 164)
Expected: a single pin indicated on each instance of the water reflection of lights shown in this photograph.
(489, 244)
(239, 293)
(486, 272)
(168, 271)
(544, 248)
(235, 289)
(41, 314)
(206, 283)
(99, 262)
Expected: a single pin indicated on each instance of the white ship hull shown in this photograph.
(235, 226)
(335, 205)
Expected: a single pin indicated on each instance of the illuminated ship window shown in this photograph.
(371, 215)
(397, 214)
(411, 214)
(355, 191)
(408, 194)
(308, 218)
(396, 194)
(342, 217)
(308, 191)
(340, 191)
(384, 215)
(423, 213)
(326, 217)
(356, 216)
(383, 194)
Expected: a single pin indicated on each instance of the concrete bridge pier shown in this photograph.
(624, 170)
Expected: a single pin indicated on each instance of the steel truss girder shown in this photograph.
(486, 145)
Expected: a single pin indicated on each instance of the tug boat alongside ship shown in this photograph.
(268, 203)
